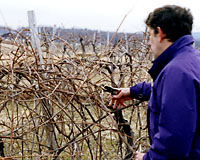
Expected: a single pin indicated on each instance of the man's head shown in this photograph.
(173, 20)
(166, 25)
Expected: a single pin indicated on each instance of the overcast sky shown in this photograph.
(93, 14)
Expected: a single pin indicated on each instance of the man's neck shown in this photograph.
(164, 45)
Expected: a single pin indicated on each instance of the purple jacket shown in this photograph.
(173, 114)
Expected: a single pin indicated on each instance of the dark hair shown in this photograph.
(174, 21)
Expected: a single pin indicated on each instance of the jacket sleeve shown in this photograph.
(141, 91)
(177, 117)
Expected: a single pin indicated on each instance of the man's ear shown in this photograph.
(161, 34)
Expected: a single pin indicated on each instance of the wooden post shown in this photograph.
(126, 40)
(51, 49)
(35, 41)
(100, 41)
(39, 31)
(108, 39)
(94, 42)
(47, 108)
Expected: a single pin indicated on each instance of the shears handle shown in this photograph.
(111, 90)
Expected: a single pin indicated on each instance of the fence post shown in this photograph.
(108, 39)
(35, 41)
(126, 41)
(46, 106)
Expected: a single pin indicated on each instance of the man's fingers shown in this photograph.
(119, 95)
(120, 105)
(117, 100)
(115, 105)
(111, 102)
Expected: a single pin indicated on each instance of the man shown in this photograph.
(173, 116)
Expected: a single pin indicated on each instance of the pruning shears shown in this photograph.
(113, 91)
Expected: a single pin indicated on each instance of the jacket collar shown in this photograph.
(161, 61)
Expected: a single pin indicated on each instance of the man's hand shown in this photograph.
(139, 156)
(118, 100)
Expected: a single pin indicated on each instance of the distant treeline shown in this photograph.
(76, 33)
(67, 34)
